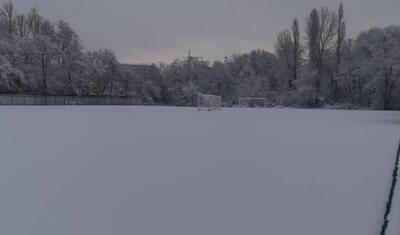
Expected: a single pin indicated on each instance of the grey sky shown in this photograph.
(161, 30)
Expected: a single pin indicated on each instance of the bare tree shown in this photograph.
(104, 68)
(321, 32)
(284, 50)
(47, 29)
(341, 35)
(45, 54)
(312, 31)
(7, 16)
(296, 48)
(71, 62)
(34, 22)
(21, 23)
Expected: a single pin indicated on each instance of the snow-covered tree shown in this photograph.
(72, 62)
(284, 49)
(42, 57)
(379, 60)
(225, 83)
(321, 32)
(297, 49)
(7, 14)
(104, 70)
(34, 22)
(11, 79)
(22, 27)
(340, 37)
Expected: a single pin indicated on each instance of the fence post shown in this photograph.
(43, 100)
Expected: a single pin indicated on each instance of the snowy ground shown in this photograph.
(177, 171)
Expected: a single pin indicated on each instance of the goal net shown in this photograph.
(209, 102)
(253, 102)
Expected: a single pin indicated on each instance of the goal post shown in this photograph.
(253, 102)
(207, 102)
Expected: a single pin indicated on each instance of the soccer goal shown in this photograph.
(253, 102)
(209, 102)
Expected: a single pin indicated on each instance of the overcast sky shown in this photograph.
(162, 30)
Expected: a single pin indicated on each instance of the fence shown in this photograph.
(65, 100)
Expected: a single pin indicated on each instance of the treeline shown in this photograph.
(315, 65)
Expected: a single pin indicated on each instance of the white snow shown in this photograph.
(177, 171)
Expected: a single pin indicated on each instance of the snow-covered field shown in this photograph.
(177, 171)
